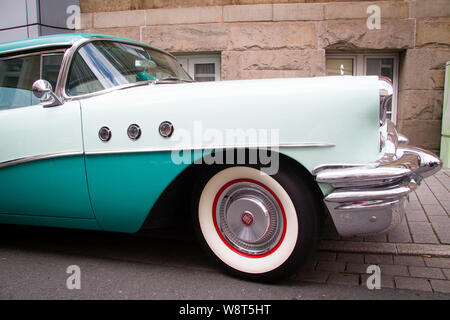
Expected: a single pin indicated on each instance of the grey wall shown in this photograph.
(21, 19)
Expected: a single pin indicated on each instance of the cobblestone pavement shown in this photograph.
(415, 255)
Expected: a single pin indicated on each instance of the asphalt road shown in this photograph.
(34, 263)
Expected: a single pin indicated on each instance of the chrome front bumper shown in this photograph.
(370, 198)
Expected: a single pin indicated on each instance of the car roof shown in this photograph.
(57, 40)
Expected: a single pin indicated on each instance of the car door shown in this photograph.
(42, 170)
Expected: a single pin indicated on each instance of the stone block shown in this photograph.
(126, 32)
(253, 64)
(209, 14)
(298, 11)
(442, 286)
(378, 259)
(86, 21)
(427, 8)
(433, 31)
(425, 272)
(344, 279)
(354, 34)
(422, 133)
(438, 262)
(358, 10)
(409, 261)
(241, 13)
(418, 104)
(117, 19)
(273, 35)
(409, 283)
(188, 38)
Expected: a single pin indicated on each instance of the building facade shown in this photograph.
(405, 40)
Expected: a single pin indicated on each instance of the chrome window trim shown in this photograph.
(61, 90)
(41, 54)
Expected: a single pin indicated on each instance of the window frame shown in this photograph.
(191, 60)
(40, 54)
(360, 69)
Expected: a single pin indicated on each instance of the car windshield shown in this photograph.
(100, 65)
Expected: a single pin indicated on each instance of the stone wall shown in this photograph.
(266, 39)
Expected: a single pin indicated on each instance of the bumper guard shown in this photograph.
(370, 198)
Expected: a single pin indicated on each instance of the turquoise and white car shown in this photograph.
(105, 133)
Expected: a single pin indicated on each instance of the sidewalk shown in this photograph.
(415, 255)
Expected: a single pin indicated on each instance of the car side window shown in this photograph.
(51, 63)
(16, 79)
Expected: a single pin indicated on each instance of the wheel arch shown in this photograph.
(168, 209)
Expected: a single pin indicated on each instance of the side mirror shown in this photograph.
(42, 89)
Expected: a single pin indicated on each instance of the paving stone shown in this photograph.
(441, 225)
(445, 180)
(441, 285)
(422, 232)
(445, 204)
(447, 273)
(417, 215)
(438, 262)
(376, 238)
(330, 266)
(436, 187)
(313, 276)
(325, 256)
(350, 257)
(409, 261)
(394, 270)
(413, 205)
(425, 195)
(434, 210)
(309, 265)
(356, 268)
(378, 259)
(409, 283)
(426, 272)
(344, 279)
(400, 234)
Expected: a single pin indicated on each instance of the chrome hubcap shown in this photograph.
(249, 217)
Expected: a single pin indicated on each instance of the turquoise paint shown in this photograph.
(71, 223)
(64, 39)
(53, 188)
(124, 187)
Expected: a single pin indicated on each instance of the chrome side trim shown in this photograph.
(171, 149)
(149, 150)
(15, 162)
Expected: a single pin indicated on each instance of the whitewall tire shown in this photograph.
(252, 223)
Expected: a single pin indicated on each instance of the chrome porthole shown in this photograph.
(249, 218)
(166, 129)
(104, 134)
(134, 132)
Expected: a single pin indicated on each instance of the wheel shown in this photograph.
(254, 225)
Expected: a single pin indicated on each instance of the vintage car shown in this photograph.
(105, 133)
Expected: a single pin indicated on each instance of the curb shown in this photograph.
(411, 249)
